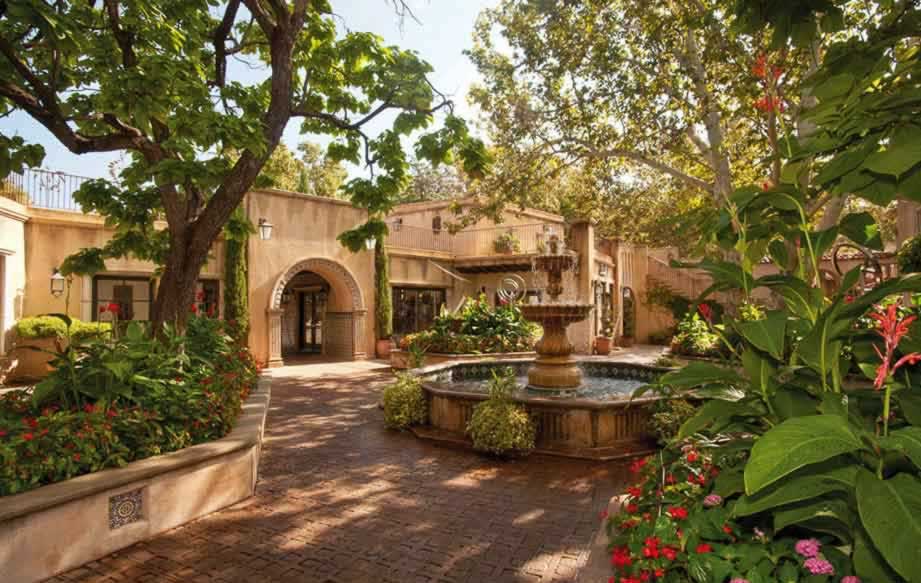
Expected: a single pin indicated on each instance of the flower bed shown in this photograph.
(681, 520)
(112, 401)
(477, 328)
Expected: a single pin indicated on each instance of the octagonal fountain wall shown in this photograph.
(597, 420)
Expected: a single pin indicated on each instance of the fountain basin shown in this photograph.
(597, 420)
(555, 369)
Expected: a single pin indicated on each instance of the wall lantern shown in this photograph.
(265, 229)
(58, 282)
(603, 269)
(369, 244)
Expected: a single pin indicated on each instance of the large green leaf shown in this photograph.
(719, 413)
(766, 334)
(910, 403)
(835, 477)
(869, 564)
(903, 152)
(890, 511)
(862, 229)
(907, 441)
(800, 298)
(796, 443)
(828, 515)
(697, 374)
(760, 371)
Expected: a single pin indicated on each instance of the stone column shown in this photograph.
(358, 335)
(582, 241)
(274, 331)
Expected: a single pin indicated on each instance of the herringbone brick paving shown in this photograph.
(342, 500)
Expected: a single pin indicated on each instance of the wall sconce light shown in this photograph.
(369, 244)
(58, 282)
(603, 269)
(265, 229)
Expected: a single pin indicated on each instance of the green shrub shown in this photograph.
(114, 400)
(35, 327)
(499, 425)
(477, 328)
(695, 336)
(668, 417)
(404, 402)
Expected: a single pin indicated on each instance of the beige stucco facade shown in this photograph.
(424, 253)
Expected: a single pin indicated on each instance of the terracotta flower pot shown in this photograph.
(383, 348)
(603, 345)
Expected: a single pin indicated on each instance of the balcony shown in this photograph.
(43, 189)
(492, 249)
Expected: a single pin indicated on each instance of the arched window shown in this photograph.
(436, 225)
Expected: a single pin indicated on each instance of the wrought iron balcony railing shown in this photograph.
(43, 188)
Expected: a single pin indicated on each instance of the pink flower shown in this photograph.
(818, 566)
(808, 547)
(738, 580)
(850, 579)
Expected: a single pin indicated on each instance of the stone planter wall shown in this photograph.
(399, 359)
(32, 365)
(61, 526)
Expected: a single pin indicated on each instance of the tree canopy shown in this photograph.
(157, 79)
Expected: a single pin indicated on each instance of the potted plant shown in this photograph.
(507, 243)
(603, 341)
(383, 306)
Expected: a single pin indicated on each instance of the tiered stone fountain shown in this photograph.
(555, 367)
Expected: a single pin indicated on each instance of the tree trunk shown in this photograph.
(176, 292)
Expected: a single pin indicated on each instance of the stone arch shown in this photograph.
(345, 322)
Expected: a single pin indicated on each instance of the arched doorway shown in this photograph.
(316, 307)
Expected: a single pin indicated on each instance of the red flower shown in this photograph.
(703, 548)
(102, 309)
(651, 552)
(669, 478)
(31, 422)
(678, 513)
(635, 491)
(200, 296)
(89, 408)
(652, 541)
(76, 457)
(114, 308)
(670, 553)
(706, 311)
(659, 573)
(2, 433)
(632, 508)
(603, 514)
(621, 557)
(727, 529)
(759, 68)
(628, 524)
(692, 455)
(27, 437)
(194, 308)
(892, 330)
(637, 465)
(111, 413)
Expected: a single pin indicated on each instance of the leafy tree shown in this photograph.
(319, 174)
(429, 182)
(152, 78)
(650, 88)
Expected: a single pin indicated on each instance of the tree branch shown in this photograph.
(219, 38)
(592, 152)
(122, 37)
(262, 17)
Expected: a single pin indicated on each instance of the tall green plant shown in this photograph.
(236, 271)
(383, 308)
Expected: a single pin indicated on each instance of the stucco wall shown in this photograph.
(305, 227)
(53, 235)
(13, 268)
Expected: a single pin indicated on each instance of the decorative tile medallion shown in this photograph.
(126, 508)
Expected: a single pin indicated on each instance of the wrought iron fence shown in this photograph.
(43, 188)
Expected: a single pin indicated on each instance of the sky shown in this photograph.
(443, 32)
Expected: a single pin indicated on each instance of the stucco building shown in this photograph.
(308, 294)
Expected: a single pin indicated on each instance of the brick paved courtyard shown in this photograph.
(341, 499)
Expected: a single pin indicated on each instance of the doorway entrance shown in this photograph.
(304, 301)
(312, 310)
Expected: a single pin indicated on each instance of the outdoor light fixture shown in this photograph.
(265, 229)
(369, 244)
(58, 282)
